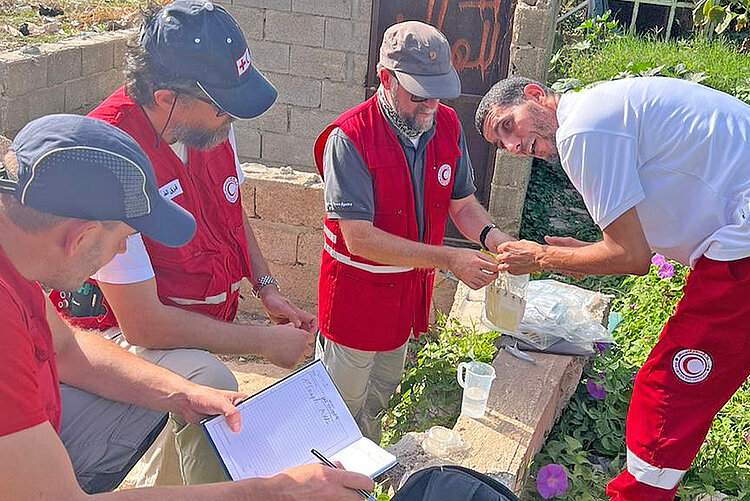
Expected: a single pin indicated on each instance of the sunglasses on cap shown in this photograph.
(412, 97)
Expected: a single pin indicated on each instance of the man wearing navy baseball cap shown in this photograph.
(187, 80)
(73, 190)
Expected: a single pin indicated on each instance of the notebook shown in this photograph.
(282, 423)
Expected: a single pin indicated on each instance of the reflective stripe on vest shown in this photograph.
(645, 473)
(371, 268)
(217, 299)
(331, 236)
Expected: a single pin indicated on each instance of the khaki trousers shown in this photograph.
(365, 379)
(181, 454)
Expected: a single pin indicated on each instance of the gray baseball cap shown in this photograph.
(420, 56)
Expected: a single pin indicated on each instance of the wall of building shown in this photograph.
(71, 76)
(315, 53)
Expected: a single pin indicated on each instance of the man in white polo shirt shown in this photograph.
(662, 165)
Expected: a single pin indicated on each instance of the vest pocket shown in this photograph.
(366, 304)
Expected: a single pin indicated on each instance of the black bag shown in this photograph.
(452, 483)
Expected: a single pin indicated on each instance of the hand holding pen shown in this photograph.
(330, 464)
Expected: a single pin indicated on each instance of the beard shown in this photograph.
(543, 123)
(415, 121)
(200, 138)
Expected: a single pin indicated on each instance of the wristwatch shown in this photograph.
(262, 282)
(483, 235)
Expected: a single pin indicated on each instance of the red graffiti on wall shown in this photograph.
(461, 50)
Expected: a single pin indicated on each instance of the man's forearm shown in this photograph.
(594, 259)
(258, 264)
(96, 365)
(471, 218)
(365, 240)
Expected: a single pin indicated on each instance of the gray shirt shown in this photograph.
(348, 191)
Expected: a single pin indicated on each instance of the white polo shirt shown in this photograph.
(678, 152)
(134, 265)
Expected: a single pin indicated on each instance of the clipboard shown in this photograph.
(283, 422)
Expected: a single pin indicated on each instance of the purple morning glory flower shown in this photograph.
(665, 271)
(658, 260)
(551, 481)
(596, 390)
(601, 347)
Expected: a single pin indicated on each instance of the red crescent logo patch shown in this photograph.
(692, 366)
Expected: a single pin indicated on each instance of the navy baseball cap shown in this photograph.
(79, 167)
(198, 40)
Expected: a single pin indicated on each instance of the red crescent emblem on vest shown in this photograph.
(444, 174)
(232, 189)
(692, 366)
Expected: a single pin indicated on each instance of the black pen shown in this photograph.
(328, 463)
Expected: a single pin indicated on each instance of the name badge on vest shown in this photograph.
(171, 189)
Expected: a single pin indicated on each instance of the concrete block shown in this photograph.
(46, 102)
(309, 247)
(20, 75)
(339, 97)
(121, 48)
(506, 206)
(276, 119)
(299, 91)
(271, 56)
(443, 292)
(14, 114)
(63, 65)
(318, 63)
(362, 10)
(248, 140)
(306, 30)
(358, 73)
(277, 241)
(299, 282)
(532, 26)
(86, 92)
(330, 8)
(250, 20)
(347, 35)
(288, 202)
(98, 57)
(530, 62)
(511, 171)
(247, 195)
(264, 4)
(287, 149)
(309, 122)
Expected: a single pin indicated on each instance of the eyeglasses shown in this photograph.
(219, 111)
(412, 97)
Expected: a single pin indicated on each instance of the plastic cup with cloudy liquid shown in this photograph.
(475, 378)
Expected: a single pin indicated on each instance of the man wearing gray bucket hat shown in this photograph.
(394, 168)
(187, 80)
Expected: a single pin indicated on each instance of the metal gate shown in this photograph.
(479, 32)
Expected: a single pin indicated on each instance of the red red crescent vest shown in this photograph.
(371, 306)
(205, 274)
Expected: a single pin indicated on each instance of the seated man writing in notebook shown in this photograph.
(74, 190)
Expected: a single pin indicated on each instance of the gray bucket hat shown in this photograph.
(420, 56)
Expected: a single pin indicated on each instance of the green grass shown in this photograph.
(725, 67)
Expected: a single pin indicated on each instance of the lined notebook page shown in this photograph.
(283, 422)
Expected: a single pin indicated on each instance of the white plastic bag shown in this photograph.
(552, 308)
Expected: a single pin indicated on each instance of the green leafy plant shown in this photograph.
(715, 16)
(429, 394)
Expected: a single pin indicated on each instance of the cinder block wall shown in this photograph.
(315, 53)
(71, 76)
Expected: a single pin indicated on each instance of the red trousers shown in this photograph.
(701, 359)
